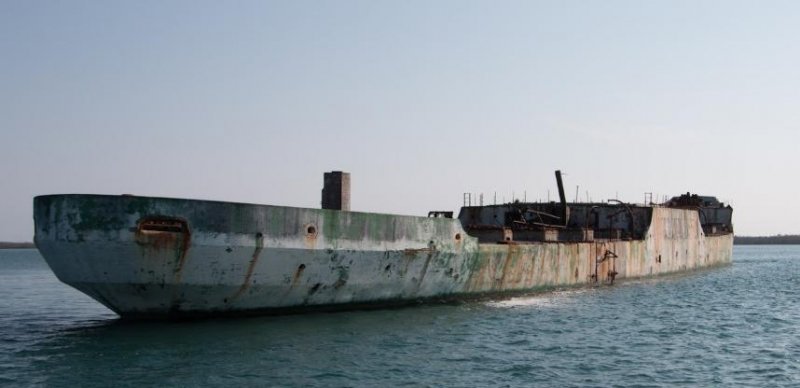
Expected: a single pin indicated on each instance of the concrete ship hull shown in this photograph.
(167, 258)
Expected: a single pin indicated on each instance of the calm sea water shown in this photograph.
(734, 326)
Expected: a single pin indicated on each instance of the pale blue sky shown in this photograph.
(420, 101)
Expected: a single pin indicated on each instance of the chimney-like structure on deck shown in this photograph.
(336, 191)
(563, 198)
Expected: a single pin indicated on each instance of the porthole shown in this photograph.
(311, 230)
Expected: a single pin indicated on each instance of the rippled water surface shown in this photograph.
(733, 326)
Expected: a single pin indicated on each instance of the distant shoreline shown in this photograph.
(789, 239)
(781, 239)
(16, 245)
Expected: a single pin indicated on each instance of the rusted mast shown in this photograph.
(562, 197)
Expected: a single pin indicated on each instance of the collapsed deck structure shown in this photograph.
(146, 257)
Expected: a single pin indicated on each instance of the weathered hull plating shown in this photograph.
(158, 257)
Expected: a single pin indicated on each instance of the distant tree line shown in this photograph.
(786, 239)
(16, 245)
(764, 240)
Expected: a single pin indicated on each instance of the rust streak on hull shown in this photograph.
(251, 266)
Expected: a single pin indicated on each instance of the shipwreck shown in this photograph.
(147, 257)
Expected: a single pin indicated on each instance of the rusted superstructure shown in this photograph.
(161, 257)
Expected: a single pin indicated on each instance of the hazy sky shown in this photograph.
(419, 101)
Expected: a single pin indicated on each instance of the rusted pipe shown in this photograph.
(562, 197)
